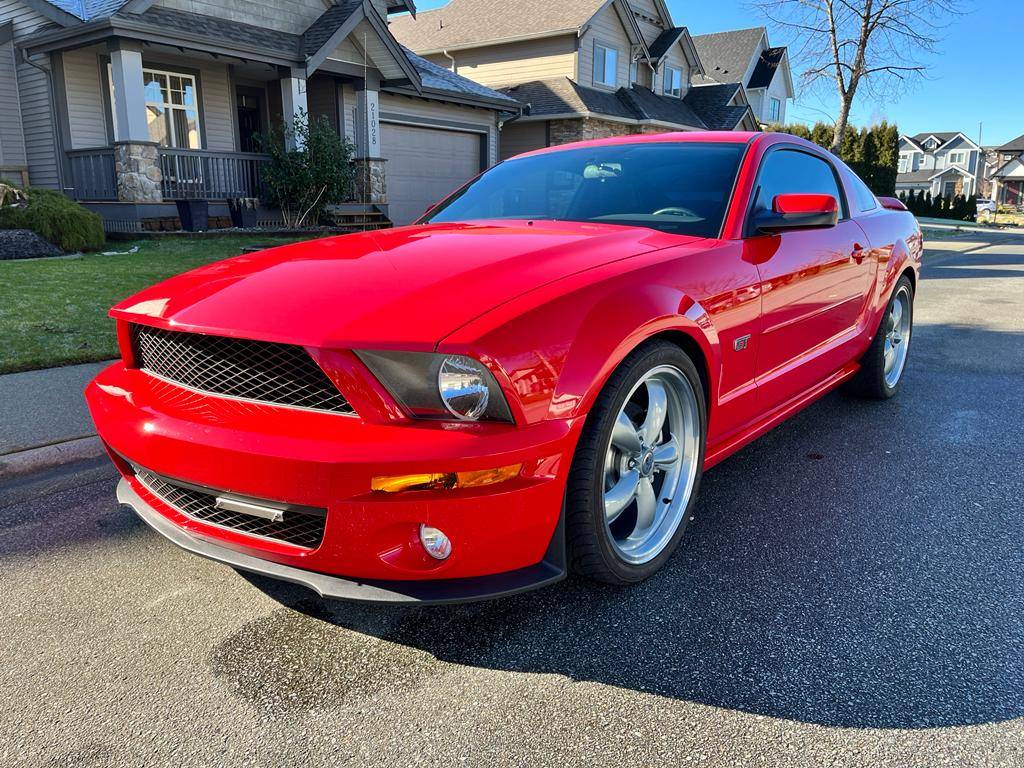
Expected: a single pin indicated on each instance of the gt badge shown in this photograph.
(741, 343)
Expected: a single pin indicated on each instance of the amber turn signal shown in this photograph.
(434, 481)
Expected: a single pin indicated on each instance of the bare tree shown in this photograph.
(874, 44)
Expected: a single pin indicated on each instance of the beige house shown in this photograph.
(132, 105)
(582, 68)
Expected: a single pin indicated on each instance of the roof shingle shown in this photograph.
(478, 22)
(726, 55)
(711, 102)
(562, 96)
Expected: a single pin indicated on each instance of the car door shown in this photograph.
(813, 281)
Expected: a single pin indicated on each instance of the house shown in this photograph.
(942, 163)
(583, 68)
(1007, 174)
(746, 57)
(130, 105)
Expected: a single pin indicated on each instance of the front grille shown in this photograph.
(283, 374)
(303, 527)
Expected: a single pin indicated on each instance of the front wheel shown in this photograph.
(883, 365)
(637, 468)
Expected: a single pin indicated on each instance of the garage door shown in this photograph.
(424, 165)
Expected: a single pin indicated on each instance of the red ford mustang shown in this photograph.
(528, 382)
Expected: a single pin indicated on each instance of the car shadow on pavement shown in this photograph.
(857, 567)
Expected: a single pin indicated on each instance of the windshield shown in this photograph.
(680, 188)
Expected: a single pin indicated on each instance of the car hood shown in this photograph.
(407, 287)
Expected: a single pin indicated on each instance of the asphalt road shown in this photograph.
(850, 593)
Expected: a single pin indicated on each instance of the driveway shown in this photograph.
(850, 593)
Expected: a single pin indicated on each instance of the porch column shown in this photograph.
(136, 160)
(293, 103)
(371, 179)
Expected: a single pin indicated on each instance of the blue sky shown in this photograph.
(977, 76)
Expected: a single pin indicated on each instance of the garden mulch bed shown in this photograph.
(25, 244)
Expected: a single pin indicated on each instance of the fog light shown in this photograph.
(438, 545)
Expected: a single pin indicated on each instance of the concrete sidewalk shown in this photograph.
(43, 418)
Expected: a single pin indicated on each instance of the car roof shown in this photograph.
(686, 137)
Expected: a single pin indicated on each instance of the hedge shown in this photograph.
(57, 218)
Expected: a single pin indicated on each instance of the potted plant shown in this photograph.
(243, 212)
(194, 215)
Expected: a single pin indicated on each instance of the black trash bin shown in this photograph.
(194, 215)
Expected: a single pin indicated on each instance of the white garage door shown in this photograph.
(425, 165)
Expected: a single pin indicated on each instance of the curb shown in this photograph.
(48, 456)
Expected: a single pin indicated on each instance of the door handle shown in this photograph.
(858, 253)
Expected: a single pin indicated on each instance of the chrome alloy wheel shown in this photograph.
(651, 464)
(897, 336)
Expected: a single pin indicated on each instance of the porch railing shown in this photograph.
(190, 174)
(91, 174)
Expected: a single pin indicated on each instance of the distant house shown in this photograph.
(1007, 174)
(132, 105)
(582, 68)
(745, 56)
(943, 163)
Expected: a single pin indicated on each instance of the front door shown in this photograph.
(814, 282)
(250, 108)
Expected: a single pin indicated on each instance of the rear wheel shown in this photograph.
(883, 365)
(637, 468)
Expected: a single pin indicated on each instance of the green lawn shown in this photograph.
(54, 311)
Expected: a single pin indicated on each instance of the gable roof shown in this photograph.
(727, 55)
(766, 66)
(1013, 145)
(712, 103)
(942, 136)
(664, 41)
(471, 23)
(562, 96)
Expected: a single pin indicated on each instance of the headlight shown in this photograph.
(432, 386)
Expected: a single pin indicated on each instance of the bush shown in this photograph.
(302, 182)
(872, 153)
(57, 218)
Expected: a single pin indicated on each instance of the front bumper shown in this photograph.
(434, 591)
(506, 537)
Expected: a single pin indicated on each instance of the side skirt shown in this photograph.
(724, 450)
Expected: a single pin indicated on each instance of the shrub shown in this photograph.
(57, 218)
(302, 182)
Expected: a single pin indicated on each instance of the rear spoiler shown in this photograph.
(892, 203)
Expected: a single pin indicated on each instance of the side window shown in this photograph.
(866, 200)
(790, 171)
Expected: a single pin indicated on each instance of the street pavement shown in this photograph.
(850, 593)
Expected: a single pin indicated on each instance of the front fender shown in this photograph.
(554, 349)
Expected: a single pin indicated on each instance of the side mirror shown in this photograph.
(798, 212)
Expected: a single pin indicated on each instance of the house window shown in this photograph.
(673, 85)
(957, 157)
(904, 160)
(774, 110)
(172, 108)
(634, 71)
(606, 63)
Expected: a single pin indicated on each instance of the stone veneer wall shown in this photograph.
(137, 169)
(371, 181)
(582, 129)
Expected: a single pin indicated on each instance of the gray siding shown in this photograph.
(522, 137)
(12, 140)
(83, 87)
(34, 92)
(442, 115)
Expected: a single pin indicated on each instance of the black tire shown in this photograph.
(590, 550)
(870, 379)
